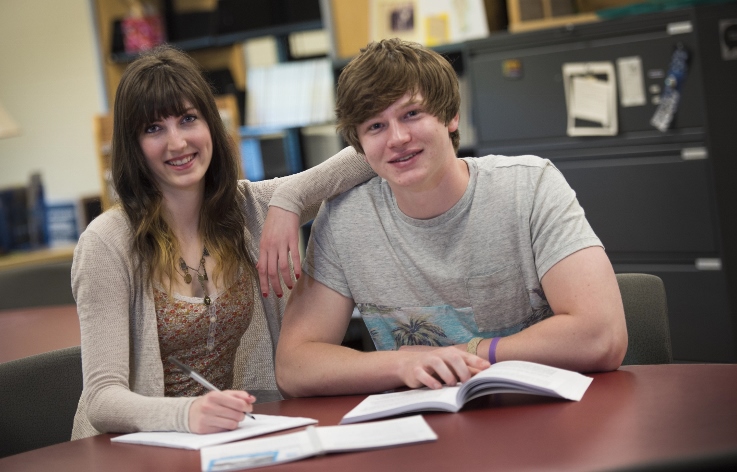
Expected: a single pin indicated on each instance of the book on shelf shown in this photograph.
(315, 441)
(291, 94)
(502, 377)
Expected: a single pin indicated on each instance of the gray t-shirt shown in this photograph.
(475, 270)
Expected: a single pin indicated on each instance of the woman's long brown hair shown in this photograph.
(157, 85)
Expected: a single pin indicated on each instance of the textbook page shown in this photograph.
(315, 441)
(248, 428)
(387, 404)
(527, 377)
(502, 377)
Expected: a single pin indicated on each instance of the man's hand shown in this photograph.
(219, 411)
(433, 367)
(279, 242)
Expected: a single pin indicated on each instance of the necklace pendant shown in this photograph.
(201, 278)
(207, 300)
(188, 278)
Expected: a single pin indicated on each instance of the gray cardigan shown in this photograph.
(123, 373)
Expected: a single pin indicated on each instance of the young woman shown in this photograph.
(171, 270)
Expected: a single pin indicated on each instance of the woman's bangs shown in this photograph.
(164, 97)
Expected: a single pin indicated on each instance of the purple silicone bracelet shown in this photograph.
(492, 350)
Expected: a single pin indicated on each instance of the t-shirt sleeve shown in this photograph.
(558, 224)
(322, 259)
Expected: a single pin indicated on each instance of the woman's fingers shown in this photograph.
(219, 411)
(279, 240)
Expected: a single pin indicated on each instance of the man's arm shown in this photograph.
(588, 332)
(310, 360)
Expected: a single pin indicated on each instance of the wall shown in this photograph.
(50, 83)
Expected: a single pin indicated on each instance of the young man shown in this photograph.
(453, 263)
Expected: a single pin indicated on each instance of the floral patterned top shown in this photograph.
(204, 338)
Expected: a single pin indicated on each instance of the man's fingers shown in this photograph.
(447, 365)
(424, 378)
(446, 370)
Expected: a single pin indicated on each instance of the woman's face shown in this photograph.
(178, 151)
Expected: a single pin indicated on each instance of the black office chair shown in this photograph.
(38, 399)
(646, 313)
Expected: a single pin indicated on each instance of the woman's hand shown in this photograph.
(219, 411)
(279, 242)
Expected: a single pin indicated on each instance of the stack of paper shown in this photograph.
(315, 441)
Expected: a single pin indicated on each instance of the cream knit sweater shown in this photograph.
(123, 373)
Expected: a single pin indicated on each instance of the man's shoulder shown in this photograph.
(357, 197)
(493, 161)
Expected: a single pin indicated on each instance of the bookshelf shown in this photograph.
(218, 47)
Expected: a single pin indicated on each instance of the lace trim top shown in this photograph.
(205, 338)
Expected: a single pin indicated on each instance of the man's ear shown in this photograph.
(453, 123)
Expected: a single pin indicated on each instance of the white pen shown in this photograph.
(197, 377)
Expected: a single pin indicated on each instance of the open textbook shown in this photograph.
(248, 428)
(502, 377)
(315, 441)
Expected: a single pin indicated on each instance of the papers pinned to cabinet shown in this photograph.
(591, 98)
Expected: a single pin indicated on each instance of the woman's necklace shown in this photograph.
(202, 277)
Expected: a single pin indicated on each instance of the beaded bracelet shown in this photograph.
(472, 345)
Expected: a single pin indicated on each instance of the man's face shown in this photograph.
(407, 146)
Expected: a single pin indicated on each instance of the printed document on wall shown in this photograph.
(591, 98)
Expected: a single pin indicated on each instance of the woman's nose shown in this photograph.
(176, 139)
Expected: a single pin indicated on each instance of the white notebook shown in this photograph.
(262, 424)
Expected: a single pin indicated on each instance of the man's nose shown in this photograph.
(398, 134)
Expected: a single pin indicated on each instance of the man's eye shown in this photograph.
(375, 126)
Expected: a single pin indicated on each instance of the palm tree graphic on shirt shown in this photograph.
(419, 331)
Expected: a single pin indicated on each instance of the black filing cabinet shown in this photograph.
(660, 198)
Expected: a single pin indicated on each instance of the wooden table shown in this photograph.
(28, 331)
(633, 418)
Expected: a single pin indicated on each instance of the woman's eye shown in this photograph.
(189, 118)
(151, 129)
